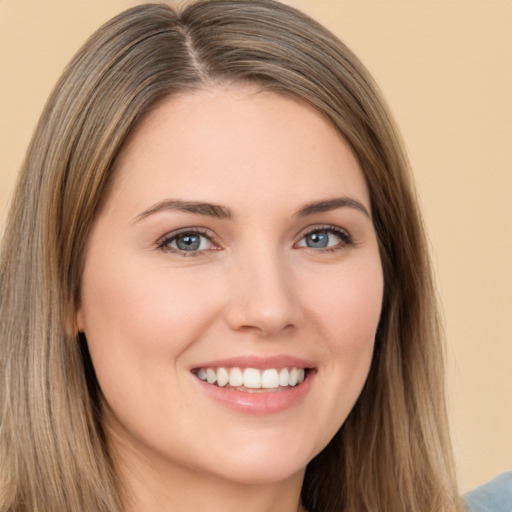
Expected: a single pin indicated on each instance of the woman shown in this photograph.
(215, 284)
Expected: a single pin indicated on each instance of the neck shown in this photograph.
(196, 492)
(157, 486)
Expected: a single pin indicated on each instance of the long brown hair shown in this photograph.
(393, 452)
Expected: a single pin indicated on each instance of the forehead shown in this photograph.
(230, 142)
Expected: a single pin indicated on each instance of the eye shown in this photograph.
(191, 242)
(330, 238)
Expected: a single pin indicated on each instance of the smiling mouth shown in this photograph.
(252, 380)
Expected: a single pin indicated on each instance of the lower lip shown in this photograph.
(259, 402)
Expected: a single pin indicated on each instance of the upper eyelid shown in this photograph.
(323, 227)
(194, 230)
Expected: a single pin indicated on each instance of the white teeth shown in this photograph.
(236, 379)
(222, 377)
(211, 376)
(270, 379)
(252, 378)
(292, 379)
(283, 377)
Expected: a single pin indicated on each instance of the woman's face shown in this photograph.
(235, 245)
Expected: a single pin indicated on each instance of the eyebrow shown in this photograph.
(197, 207)
(222, 212)
(332, 204)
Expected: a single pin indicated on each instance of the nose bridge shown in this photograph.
(263, 295)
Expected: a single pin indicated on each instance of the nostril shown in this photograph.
(261, 320)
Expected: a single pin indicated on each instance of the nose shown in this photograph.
(264, 295)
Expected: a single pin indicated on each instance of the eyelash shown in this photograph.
(163, 244)
(346, 239)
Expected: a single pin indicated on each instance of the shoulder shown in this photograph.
(494, 496)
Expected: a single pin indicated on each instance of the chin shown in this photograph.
(263, 462)
(262, 472)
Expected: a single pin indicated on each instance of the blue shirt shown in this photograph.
(494, 496)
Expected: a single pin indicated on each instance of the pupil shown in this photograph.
(188, 242)
(318, 239)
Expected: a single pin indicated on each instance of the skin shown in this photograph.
(254, 288)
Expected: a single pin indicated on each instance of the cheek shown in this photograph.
(355, 314)
(347, 310)
(137, 318)
(347, 305)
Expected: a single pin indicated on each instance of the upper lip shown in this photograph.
(258, 362)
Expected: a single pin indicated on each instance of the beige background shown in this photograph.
(446, 70)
